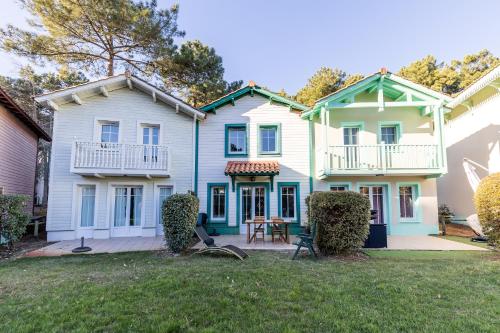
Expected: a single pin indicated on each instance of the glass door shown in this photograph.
(127, 211)
(351, 142)
(253, 203)
(150, 140)
(376, 194)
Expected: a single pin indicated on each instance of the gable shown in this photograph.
(380, 90)
(252, 90)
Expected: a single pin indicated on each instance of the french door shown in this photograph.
(150, 140)
(127, 211)
(253, 204)
(351, 142)
(376, 194)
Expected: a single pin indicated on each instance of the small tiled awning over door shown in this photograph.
(252, 169)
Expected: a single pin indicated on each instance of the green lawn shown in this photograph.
(392, 291)
(465, 240)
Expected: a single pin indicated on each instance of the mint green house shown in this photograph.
(383, 137)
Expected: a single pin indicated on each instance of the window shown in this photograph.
(128, 206)
(351, 135)
(339, 188)
(109, 132)
(236, 140)
(388, 135)
(87, 206)
(269, 139)
(407, 194)
(165, 192)
(218, 202)
(289, 201)
(150, 135)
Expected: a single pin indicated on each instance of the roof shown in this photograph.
(252, 89)
(371, 81)
(475, 87)
(252, 168)
(13, 107)
(102, 86)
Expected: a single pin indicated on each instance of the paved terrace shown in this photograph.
(128, 244)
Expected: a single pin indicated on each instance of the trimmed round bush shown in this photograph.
(180, 212)
(487, 201)
(342, 221)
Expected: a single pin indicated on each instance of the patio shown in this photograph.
(131, 244)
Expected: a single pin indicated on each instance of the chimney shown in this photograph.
(251, 83)
(383, 71)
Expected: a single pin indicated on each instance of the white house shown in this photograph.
(472, 135)
(120, 146)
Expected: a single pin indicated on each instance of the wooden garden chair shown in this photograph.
(306, 240)
(276, 230)
(259, 227)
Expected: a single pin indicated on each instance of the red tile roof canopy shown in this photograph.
(13, 107)
(253, 168)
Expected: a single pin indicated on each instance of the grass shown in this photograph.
(465, 240)
(391, 291)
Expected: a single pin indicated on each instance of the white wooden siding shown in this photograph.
(77, 122)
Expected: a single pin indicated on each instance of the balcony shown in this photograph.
(115, 159)
(382, 159)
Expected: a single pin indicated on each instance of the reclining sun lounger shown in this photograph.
(210, 247)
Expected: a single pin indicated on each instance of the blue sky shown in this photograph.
(280, 44)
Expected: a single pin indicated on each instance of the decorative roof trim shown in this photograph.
(250, 89)
(15, 109)
(475, 87)
(129, 80)
(252, 168)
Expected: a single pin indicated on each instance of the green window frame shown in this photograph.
(210, 187)
(415, 194)
(335, 185)
(396, 124)
(261, 136)
(295, 185)
(227, 150)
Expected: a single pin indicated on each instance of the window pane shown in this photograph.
(268, 139)
(406, 202)
(237, 140)
(120, 206)
(259, 202)
(109, 132)
(351, 135)
(288, 202)
(165, 192)
(338, 188)
(156, 132)
(246, 211)
(389, 134)
(218, 202)
(88, 206)
(135, 206)
(145, 135)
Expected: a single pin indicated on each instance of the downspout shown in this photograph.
(197, 135)
(311, 153)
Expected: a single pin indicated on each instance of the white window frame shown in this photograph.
(111, 203)
(416, 194)
(141, 124)
(157, 187)
(77, 204)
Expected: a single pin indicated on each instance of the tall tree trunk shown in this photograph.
(111, 67)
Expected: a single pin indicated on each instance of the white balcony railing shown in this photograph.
(383, 158)
(120, 158)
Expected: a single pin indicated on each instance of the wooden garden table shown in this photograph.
(269, 222)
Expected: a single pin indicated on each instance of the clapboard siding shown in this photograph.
(18, 153)
(294, 159)
(77, 123)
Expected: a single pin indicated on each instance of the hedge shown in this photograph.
(180, 212)
(342, 220)
(13, 218)
(487, 201)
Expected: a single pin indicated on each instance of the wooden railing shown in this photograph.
(382, 157)
(97, 155)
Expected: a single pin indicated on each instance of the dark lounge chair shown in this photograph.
(210, 247)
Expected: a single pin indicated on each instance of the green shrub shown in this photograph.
(180, 212)
(487, 201)
(342, 220)
(13, 218)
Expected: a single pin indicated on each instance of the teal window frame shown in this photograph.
(227, 152)
(297, 199)
(209, 202)
(390, 123)
(417, 207)
(348, 185)
(277, 152)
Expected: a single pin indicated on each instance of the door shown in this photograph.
(150, 140)
(127, 211)
(376, 194)
(351, 141)
(163, 193)
(253, 203)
